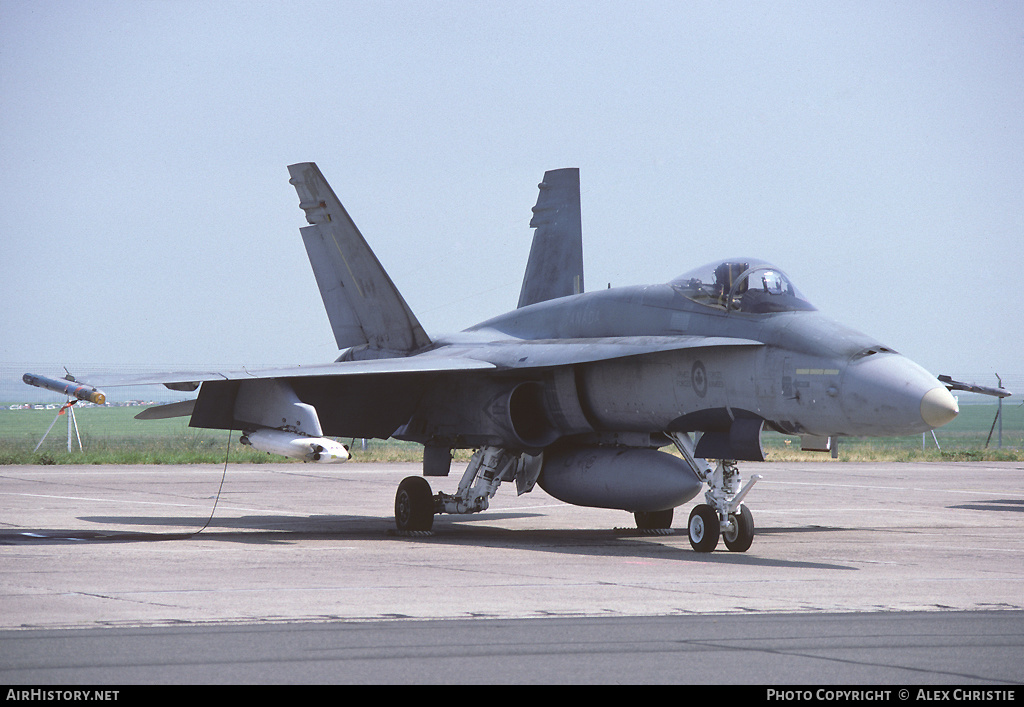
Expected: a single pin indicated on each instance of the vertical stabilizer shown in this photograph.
(363, 305)
(555, 268)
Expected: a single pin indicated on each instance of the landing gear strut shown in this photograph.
(723, 515)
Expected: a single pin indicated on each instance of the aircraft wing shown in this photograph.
(509, 354)
(185, 380)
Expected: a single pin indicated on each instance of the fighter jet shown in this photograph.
(584, 394)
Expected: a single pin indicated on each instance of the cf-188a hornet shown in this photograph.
(577, 392)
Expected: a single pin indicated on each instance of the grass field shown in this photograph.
(112, 435)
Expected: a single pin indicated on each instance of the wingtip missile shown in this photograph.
(71, 388)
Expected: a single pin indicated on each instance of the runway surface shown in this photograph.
(876, 561)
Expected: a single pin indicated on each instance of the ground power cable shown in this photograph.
(216, 499)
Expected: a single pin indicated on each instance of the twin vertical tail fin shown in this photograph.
(555, 267)
(363, 304)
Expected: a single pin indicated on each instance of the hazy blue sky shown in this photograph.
(873, 150)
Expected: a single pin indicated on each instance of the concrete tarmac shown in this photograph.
(126, 546)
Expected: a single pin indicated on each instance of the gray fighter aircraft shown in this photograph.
(577, 392)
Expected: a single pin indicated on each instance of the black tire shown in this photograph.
(414, 504)
(704, 528)
(740, 539)
(654, 520)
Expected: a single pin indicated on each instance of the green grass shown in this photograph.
(964, 439)
(112, 435)
(881, 450)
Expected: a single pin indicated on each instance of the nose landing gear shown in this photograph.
(724, 515)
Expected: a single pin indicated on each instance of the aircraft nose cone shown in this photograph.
(888, 394)
(938, 407)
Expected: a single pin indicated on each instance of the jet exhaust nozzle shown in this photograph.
(296, 446)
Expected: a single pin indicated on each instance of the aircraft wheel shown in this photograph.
(739, 537)
(414, 504)
(704, 528)
(653, 520)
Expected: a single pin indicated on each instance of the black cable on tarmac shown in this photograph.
(216, 500)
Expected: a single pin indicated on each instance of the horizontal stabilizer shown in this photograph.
(162, 412)
(555, 267)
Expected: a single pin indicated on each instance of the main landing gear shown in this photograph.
(723, 515)
(415, 505)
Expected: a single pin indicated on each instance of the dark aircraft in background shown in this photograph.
(574, 391)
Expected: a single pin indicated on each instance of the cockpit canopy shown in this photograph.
(742, 285)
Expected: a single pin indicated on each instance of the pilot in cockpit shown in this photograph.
(725, 278)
